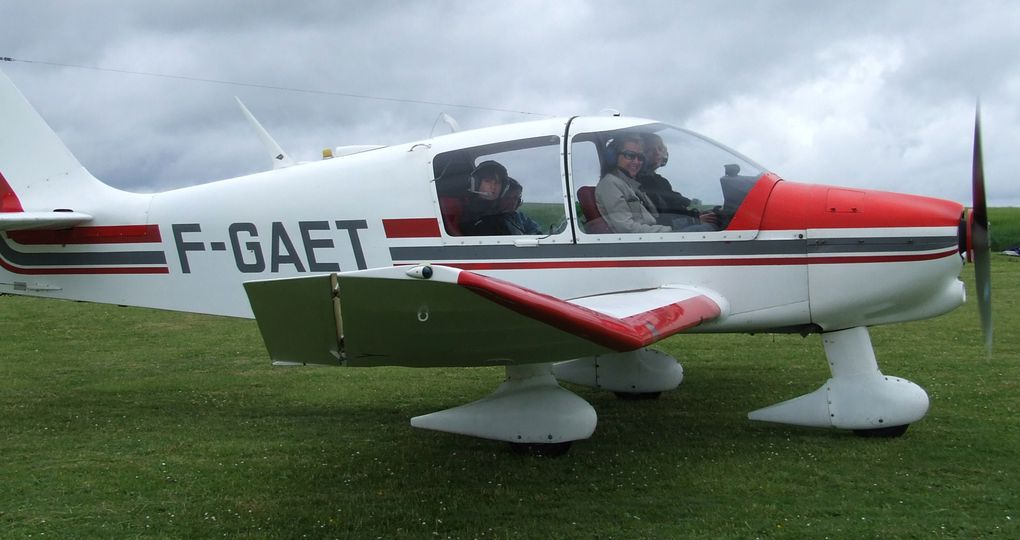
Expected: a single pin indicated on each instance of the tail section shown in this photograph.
(63, 233)
(42, 185)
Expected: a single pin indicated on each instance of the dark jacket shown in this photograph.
(500, 224)
(668, 203)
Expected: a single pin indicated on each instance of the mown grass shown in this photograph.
(123, 422)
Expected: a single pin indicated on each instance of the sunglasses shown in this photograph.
(632, 155)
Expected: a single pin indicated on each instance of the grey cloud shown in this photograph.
(775, 79)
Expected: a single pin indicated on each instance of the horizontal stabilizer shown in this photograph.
(15, 221)
(441, 316)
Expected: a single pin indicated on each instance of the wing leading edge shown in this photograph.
(440, 316)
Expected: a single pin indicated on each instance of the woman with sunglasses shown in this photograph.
(624, 207)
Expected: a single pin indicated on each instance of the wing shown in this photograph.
(441, 316)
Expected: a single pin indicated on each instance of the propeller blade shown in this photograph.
(980, 238)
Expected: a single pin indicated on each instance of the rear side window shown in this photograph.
(511, 188)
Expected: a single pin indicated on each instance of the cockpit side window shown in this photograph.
(657, 179)
(508, 189)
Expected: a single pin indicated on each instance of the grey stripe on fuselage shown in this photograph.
(674, 249)
(880, 245)
(105, 258)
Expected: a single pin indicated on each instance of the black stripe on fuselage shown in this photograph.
(101, 258)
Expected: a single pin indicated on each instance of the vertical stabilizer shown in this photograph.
(37, 171)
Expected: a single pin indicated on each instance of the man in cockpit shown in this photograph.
(493, 202)
(672, 207)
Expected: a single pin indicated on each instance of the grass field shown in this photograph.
(123, 422)
(1005, 227)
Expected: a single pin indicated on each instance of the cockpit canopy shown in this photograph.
(704, 176)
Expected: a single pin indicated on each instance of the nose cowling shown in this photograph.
(794, 205)
(873, 257)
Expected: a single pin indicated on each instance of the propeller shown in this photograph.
(980, 243)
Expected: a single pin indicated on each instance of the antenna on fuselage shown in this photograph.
(448, 120)
(279, 158)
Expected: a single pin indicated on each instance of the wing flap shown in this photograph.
(297, 319)
(397, 316)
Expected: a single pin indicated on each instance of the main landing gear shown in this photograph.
(635, 375)
(541, 449)
(890, 432)
(532, 412)
(857, 397)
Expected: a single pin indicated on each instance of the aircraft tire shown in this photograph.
(890, 432)
(541, 449)
(637, 396)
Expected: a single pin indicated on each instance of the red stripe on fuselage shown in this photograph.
(114, 234)
(8, 199)
(411, 228)
(84, 271)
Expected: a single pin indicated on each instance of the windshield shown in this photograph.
(658, 178)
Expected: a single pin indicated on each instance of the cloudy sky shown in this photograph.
(867, 94)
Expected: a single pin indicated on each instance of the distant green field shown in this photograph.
(547, 215)
(123, 422)
(1005, 226)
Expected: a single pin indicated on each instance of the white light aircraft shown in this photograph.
(389, 256)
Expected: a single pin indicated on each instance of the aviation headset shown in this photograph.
(513, 196)
(487, 169)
